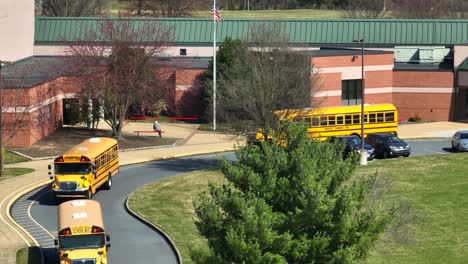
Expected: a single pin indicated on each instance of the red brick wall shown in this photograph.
(188, 95)
(374, 79)
(430, 106)
(346, 61)
(329, 82)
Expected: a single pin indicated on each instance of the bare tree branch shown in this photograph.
(73, 8)
(117, 65)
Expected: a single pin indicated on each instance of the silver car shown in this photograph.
(460, 141)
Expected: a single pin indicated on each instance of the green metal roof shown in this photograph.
(199, 31)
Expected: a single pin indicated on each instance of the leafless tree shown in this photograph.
(428, 8)
(165, 8)
(366, 9)
(456, 9)
(116, 65)
(72, 8)
(171, 8)
(266, 77)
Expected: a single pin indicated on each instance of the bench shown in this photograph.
(183, 119)
(142, 117)
(146, 131)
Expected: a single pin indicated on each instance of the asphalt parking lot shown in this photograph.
(434, 146)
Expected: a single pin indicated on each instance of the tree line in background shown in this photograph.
(180, 8)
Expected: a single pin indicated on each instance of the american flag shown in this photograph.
(215, 14)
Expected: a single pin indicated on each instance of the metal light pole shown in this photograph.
(363, 159)
(1, 123)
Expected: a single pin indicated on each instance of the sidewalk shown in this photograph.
(430, 130)
(194, 142)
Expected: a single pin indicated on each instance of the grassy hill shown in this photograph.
(115, 6)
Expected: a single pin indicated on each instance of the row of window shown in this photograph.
(107, 157)
(350, 119)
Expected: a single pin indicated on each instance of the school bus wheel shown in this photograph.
(108, 184)
(89, 194)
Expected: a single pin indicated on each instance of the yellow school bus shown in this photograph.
(81, 235)
(86, 167)
(336, 121)
(346, 120)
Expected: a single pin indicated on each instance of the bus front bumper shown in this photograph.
(67, 193)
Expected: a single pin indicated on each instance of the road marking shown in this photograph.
(29, 214)
(7, 223)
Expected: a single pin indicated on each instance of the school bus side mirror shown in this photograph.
(107, 238)
(55, 242)
(49, 167)
(108, 246)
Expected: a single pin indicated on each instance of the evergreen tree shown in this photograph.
(293, 203)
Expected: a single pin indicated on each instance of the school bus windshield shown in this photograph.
(82, 241)
(72, 168)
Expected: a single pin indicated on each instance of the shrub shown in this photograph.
(291, 203)
(415, 118)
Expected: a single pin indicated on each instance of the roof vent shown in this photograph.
(78, 203)
(79, 215)
(94, 140)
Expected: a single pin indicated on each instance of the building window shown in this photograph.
(183, 52)
(351, 92)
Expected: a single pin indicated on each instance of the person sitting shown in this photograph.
(157, 127)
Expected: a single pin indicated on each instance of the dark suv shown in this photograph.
(388, 145)
(353, 144)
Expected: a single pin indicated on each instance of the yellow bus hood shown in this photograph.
(83, 254)
(70, 177)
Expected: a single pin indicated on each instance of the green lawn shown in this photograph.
(11, 157)
(12, 172)
(275, 14)
(435, 186)
(30, 255)
(116, 6)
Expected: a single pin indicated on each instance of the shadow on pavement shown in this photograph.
(44, 196)
(191, 163)
(449, 150)
(185, 165)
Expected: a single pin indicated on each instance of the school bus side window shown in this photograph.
(331, 120)
(323, 120)
(380, 117)
(389, 116)
(315, 121)
(372, 118)
(356, 119)
(348, 120)
(339, 120)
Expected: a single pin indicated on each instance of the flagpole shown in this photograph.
(214, 66)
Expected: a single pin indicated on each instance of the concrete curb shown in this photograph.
(120, 150)
(154, 227)
(22, 192)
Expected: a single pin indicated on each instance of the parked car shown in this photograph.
(388, 145)
(460, 141)
(353, 144)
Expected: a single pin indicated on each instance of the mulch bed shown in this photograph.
(67, 137)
